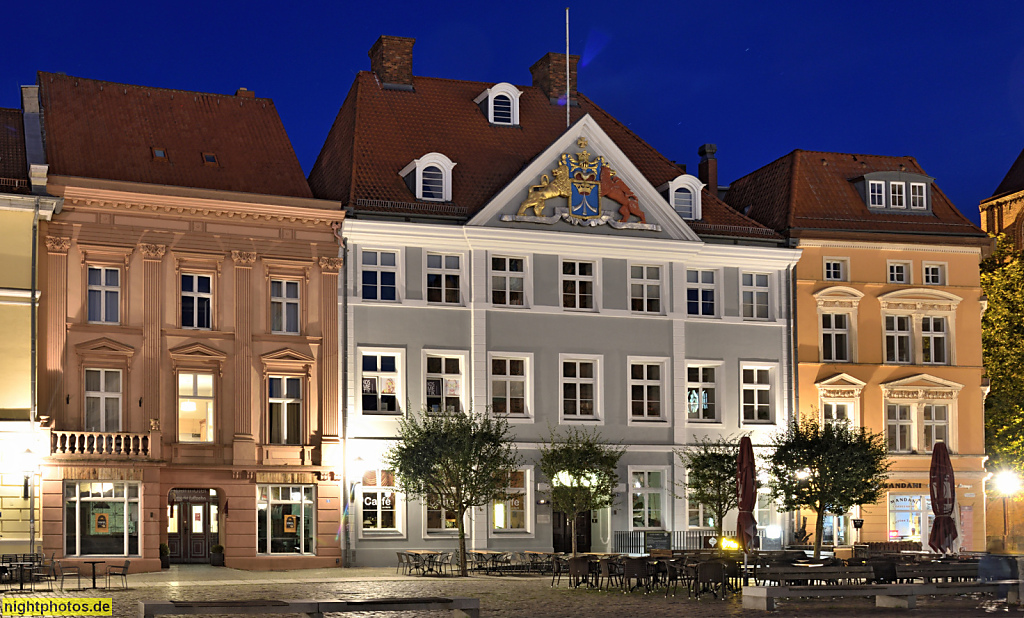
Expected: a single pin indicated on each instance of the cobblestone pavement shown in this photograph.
(530, 596)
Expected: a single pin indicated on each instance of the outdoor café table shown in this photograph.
(429, 558)
(22, 567)
(94, 563)
(539, 559)
(490, 559)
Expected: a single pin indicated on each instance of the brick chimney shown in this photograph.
(707, 169)
(549, 75)
(391, 60)
(245, 92)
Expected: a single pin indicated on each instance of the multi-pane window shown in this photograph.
(444, 384)
(933, 340)
(917, 196)
(755, 296)
(757, 395)
(501, 109)
(834, 270)
(443, 278)
(934, 274)
(896, 195)
(102, 400)
(510, 513)
(195, 407)
(645, 289)
(380, 383)
(508, 386)
(101, 518)
(647, 488)
(284, 404)
(284, 306)
(936, 425)
(833, 412)
(898, 272)
(196, 301)
(700, 292)
(380, 275)
(835, 337)
(698, 516)
(898, 427)
(645, 390)
(104, 294)
(682, 202)
(432, 183)
(577, 285)
(440, 519)
(700, 394)
(897, 338)
(507, 281)
(877, 194)
(285, 519)
(579, 388)
(379, 500)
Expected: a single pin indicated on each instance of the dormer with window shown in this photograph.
(896, 192)
(500, 104)
(683, 195)
(430, 177)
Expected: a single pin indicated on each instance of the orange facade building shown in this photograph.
(189, 315)
(888, 324)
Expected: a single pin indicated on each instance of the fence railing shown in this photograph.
(634, 542)
(99, 444)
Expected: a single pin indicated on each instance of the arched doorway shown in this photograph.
(193, 524)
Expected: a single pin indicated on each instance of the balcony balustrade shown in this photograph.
(100, 444)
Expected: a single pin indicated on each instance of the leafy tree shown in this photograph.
(454, 460)
(827, 468)
(711, 476)
(582, 470)
(1002, 279)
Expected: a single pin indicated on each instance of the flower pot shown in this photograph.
(217, 559)
(165, 562)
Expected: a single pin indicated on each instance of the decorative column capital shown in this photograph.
(243, 258)
(329, 264)
(58, 244)
(152, 252)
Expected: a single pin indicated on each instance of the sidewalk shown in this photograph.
(205, 575)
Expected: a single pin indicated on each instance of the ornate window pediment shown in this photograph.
(919, 299)
(838, 296)
(840, 386)
(921, 386)
(105, 347)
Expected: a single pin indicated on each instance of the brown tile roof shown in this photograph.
(1014, 179)
(811, 193)
(13, 166)
(379, 131)
(98, 129)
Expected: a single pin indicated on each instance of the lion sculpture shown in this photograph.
(614, 189)
(545, 190)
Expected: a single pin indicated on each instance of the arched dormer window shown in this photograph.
(500, 104)
(683, 194)
(430, 177)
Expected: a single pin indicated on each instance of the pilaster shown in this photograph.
(330, 443)
(244, 444)
(52, 387)
(152, 319)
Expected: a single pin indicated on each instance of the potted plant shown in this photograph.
(217, 555)
(165, 556)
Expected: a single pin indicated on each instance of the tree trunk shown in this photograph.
(463, 570)
(819, 529)
(572, 531)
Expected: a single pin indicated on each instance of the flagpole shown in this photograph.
(566, 67)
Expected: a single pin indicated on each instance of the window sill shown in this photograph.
(705, 421)
(381, 534)
(578, 310)
(382, 414)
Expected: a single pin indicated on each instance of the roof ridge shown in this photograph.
(629, 131)
(790, 193)
(103, 81)
(354, 92)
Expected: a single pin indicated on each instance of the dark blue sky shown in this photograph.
(941, 81)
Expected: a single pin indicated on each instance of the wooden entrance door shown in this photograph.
(561, 540)
(192, 526)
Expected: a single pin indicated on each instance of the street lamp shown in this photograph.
(1007, 484)
(28, 463)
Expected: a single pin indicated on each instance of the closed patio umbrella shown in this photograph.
(746, 472)
(943, 491)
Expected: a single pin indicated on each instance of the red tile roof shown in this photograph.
(13, 165)
(811, 193)
(98, 129)
(1014, 179)
(378, 131)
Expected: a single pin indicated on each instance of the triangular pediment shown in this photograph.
(103, 345)
(540, 197)
(197, 351)
(841, 379)
(922, 381)
(840, 386)
(286, 355)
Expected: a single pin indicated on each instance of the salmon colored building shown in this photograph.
(189, 367)
(888, 325)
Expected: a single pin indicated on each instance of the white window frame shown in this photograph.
(400, 505)
(103, 395)
(692, 505)
(701, 384)
(285, 402)
(771, 387)
(872, 203)
(594, 279)
(528, 515)
(891, 272)
(844, 269)
(212, 399)
(662, 383)
(195, 295)
(897, 423)
(700, 285)
(126, 499)
(645, 490)
(302, 503)
(444, 271)
(598, 382)
(378, 268)
(285, 301)
(527, 358)
(400, 379)
(437, 159)
(897, 334)
(463, 376)
(898, 195)
(934, 339)
(508, 275)
(501, 88)
(645, 283)
(757, 293)
(103, 290)
(833, 331)
(826, 404)
(441, 533)
(926, 445)
(923, 197)
(939, 269)
(691, 184)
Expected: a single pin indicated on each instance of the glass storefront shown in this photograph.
(285, 519)
(910, 517)
(101, 518)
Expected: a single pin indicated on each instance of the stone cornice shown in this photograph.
(330, 264)
(57, 244)
(244, 258)
(152, 252)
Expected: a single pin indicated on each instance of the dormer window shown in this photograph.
(888, 191)
(430, 177)
(500, 104)
(683, 194)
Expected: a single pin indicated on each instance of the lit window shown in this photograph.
(285, 519)
(699, 516)
(379, 500)
(511, 513)
(700, 394)
(682, 202)
(933, 340)
(508, 386)
(896, 195)
(444, 384)
(897, 338)
(104, 295)
(918, 201)
(507, 281)
(577, 285)
(380, 382)
(102, 518)
(102, 400)
(645, 289)
(379, 275)
(196, 301)
(898, 427)
(195, 407)
(757, 395)
(700, 293)
(936, 425)
(443, 278)
(579, 388)
(285, 409)
(439, 519)
(648, 495)
(877, 194)
(645, 381)
(755, 296)
(835, 333)
(284, 307)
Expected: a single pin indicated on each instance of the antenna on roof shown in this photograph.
(566, 67)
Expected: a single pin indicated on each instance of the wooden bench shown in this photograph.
(831, 574)
(886, 595)
(937, 571)
(462, 606)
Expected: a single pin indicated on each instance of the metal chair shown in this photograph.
(710, 578)
(579, 571)
(118, 571)
(635, 568)
(608, 571)
(60, 573)
(559, 565)
(403, 563)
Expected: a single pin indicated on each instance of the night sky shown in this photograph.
(940, 81)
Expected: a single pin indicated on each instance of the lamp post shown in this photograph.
(29, 464)
(1007, 484)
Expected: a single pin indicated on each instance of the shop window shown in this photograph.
(101, 518)
(647, 488)
(379, 502)
(285, 519)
